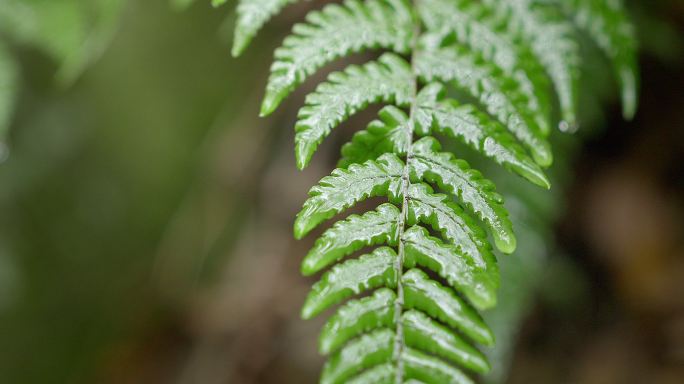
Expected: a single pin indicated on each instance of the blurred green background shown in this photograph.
(145, 210)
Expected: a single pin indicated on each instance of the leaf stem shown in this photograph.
(399, 343)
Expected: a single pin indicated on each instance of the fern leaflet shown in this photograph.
(409, 326)
(607, 24)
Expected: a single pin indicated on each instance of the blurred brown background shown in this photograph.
(146, 213)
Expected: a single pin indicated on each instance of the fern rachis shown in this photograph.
(411, 326)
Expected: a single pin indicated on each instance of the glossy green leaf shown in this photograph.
(351, 278)
(356, 317)
(423, 333)
(346, 187)
(477, 284)
(380, 374)
(506, 55)
(352, 234)
(345, 93)
(431, 370)
(389, 134)
(335, 31)
(477, 130)
(551, 39)
(472, 25)
(607, 23)
(251, 16)
(490, 86)
(445, 216)
(472, 189)
(364, 352)
(426, 295)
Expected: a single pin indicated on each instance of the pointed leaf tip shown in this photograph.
(271, 101)
(543, 155)
(505, 242)
(540, 180)
(303, 153)
(235, 51)
(300, 228)
(309, 267)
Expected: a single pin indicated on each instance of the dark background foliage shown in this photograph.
(146, 212)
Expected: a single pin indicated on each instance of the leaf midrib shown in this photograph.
(399, 344)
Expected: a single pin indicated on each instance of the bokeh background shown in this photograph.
(146, 211)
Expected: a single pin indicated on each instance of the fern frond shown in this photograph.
(551, 39)
(607, 24)
(345, 93)
(412, 327)
(335, 31)
(492, 88)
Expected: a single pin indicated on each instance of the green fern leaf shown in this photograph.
(352, 234)
(376, 347)
(420, 331)
(359, 354)
(456, 177)
(357, 317)
(425, 334)
(473, 26)
(606, 22)
(475, 129)
(379, 374)
(445, 216)
(344, 94)
(376, 311)
(426, 295)
(251, 16)
(462, 122)
(346, 187)
(476, 284)
(412, 329)
(491, 87)
(351, 278)
(387, 135)
(551, 39)
(431, 370)
(333, 32)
